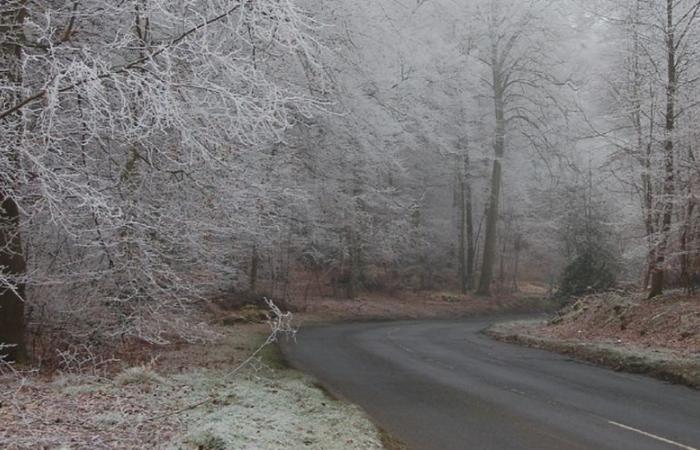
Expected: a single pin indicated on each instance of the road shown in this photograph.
(444, 385)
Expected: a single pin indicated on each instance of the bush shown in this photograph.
(588, 240)
(589, 272)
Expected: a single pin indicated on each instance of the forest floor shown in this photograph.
(658, 337)
(420, 305)
(187, 397)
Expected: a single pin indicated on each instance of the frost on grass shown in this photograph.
(255, 409)
(243, 403)
(75, 384)
(273, 413)
(138, 375)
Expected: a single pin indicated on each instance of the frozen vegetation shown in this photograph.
(273, 413)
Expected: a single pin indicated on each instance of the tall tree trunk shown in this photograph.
(469, 216)
(489, 252)
(354, 265)
(649, 222)
(647, 187)
(657, 274)
(12, 261)
(687, 231)
(502, 261)
(466, 227)
(254, 262)
(12, 326)
(494, 199)
(462, 253)
(516, 262)
(684, 251)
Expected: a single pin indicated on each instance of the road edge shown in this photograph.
(674, 369)
(280, 356)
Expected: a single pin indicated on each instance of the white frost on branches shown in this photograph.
(135, 139)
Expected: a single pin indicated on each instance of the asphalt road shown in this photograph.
(444, 385)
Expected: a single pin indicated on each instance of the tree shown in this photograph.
(467, 249)
(133, 140)
(12, 260)
(513, 48)
(678, 28)
(653, 92)
(588, 241)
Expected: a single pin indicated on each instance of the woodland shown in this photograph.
(155, 154)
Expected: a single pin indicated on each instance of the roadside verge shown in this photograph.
(189, 397)
(660, 363)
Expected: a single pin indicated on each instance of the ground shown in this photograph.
(185, 396)
(671, 321)
(419, 305)
(188, 398)
(626, 331)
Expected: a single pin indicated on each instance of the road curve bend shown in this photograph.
(444, 385)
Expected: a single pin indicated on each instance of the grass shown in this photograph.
(274, 357)
(138, 375)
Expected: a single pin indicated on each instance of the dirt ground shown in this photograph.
(624, 331)
(419, 305)
(671, 321)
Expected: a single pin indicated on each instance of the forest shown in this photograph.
(158, 156)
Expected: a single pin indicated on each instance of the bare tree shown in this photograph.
(513, 48)
(654, 97)
(681, 17)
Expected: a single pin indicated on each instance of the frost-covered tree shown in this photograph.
(513, 43)
(653, 82)
(134, 137)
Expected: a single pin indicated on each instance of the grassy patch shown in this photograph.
(139, 375)
(272, 412)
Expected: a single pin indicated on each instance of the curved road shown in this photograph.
(444, 385)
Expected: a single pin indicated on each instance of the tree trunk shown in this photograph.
(12, 326)
(502, 262)
(492, 213)
(354, 266)
(254, 262)
(471, 250)
(12, 261)
(466, 227)
(462, 253)
(489, 252)
(516, 267)
(657, 276)
(645, 151)
(685, 251)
